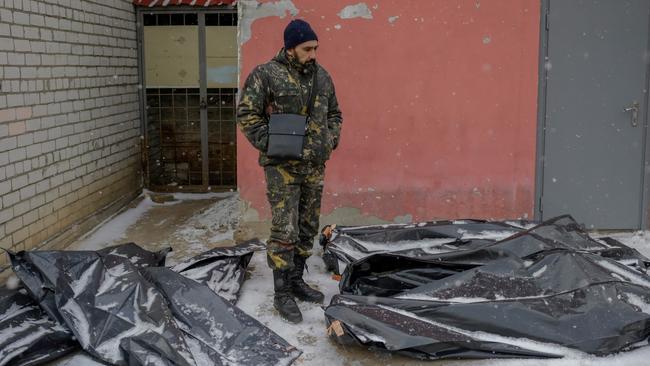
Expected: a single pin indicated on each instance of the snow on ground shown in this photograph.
(216, 224)
(112, 230)
(639, 240)
(310, 336)
(256, 299)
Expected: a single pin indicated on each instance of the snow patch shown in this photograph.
(79, 285)
(488, 337)
(12, 282)
(638, 302)
(359, 10)
(81, 328)
(539, 272)
(628, 274)
(19, 346)
(104, 235)
(14, 310)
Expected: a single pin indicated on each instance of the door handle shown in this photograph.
(634, 108)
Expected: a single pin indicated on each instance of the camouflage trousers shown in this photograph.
(294, 193)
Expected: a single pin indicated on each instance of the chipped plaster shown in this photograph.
(252, 10)
(359, 10)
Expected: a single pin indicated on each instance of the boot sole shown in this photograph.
(296, 320)
(292, 321)
(310, 301)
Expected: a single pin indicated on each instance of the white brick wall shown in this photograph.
(69, 113)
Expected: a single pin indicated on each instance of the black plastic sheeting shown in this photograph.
(221, 269)
(40, 271)
(216, 332)
(25, 331)
(469, 296)
(123, 307)
(349, 244)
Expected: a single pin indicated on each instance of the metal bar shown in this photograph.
(203, 96)
(541, 107)
(645, 173)
(144, 149)
(200, 3)
(187, 9)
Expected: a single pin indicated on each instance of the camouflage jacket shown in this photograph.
(282, 86)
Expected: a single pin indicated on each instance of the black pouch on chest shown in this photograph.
(286, 136)
(287, 132)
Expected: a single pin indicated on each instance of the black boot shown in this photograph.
(298, 286)
(282, 299)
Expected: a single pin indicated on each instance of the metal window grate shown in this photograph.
(211, 19)
(153, 19)
(174, 137)
(221, 19)
(222, 149)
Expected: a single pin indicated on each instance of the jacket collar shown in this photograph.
(283, 58)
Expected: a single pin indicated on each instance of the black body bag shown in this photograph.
(287, 131)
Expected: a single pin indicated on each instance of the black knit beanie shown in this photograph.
(298, 31)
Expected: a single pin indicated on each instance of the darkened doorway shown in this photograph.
(189, 63)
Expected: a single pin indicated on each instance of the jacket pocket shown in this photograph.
(327, 142)
(287, 101)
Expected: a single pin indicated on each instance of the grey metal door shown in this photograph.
(594, 123)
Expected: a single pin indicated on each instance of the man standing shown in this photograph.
(292, 83)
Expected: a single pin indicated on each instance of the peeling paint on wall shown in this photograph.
(251, 11)
(508, 57)
(350, 216)
(360, 10)
(405, 219)
(248, 11)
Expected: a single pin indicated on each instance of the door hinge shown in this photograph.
(547, 11)
(547, 25)
(539, 205)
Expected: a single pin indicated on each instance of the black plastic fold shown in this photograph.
(123, 307)
(529, 294)
(215, 330)
(221, 269)
(39, 271)
(27, 335)
(349, 244)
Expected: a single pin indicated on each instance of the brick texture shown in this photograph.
(69, 117)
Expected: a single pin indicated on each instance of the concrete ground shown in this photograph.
(195, 223)
(174, 224)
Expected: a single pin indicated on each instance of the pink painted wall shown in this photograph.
(439, 106)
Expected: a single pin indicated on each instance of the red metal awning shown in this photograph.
(203, 3)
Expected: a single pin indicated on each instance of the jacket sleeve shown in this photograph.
(334, 118)
(251, 110)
